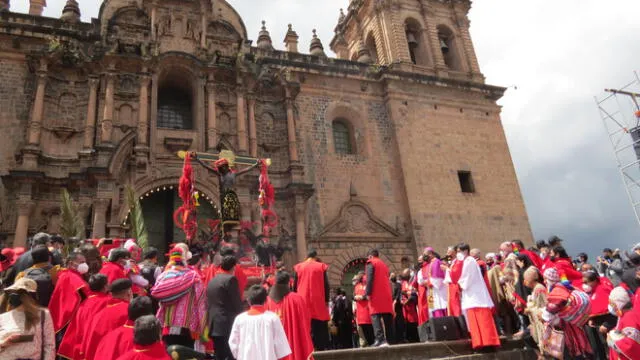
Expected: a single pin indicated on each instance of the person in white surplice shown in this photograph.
(477, 305)
(258, 334)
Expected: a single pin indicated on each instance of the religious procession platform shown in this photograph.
(459, 350)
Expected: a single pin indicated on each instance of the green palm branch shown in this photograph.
(71, 223)
(136, 219)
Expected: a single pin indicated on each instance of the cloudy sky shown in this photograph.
(559, 55)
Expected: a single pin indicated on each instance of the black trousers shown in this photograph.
(222, 350)
(412, 332)
(320, 334)
(367, 331)
(399, 328)
(382, 327)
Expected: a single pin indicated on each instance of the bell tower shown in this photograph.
(428, 36)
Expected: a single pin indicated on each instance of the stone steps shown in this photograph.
(451, 350)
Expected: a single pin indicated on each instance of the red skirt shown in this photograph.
(455, 308)
(482, 328)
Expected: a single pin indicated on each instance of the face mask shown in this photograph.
(553, 258)
(460, 256)
(14, 300)
(489, 263)
(127, 265)
(586, 288)
(612, 310)
(503, 254)
(543, 256)
(83, 268)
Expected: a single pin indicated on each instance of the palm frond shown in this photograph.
(136, 219)
(71, 223)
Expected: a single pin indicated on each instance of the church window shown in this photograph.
(373, 50)
(466, 182)
(342, 139)
(174, 109)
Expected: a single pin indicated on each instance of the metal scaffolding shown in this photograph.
(620, 112)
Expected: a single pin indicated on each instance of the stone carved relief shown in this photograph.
(356, 219)
(163, 28)
(128, 32)
(190, 31)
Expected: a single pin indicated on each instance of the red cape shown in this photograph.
(380, 300)
(311, 286)
(71, 345)
(116, 343)
(155, 351)
(294, 314)
(113, 271)
(65, 299)
(110, 318)
(363, 317)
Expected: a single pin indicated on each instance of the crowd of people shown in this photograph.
(106, 302)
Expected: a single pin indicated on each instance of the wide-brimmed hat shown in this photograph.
(25, 284)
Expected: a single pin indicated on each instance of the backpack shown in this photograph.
(577, 309)
(45, 285)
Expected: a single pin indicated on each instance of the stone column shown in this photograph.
(291, 131)
(241, 123)
(143, 113)
(35, 127)
(201, 114)
(154, 16)
(301, 240)
(36, 7)
(253, 141)
(153, 128)
(107, 118)
(22, 227)
(100, 207)
(203, 35)
(90, 126)
(212, 135)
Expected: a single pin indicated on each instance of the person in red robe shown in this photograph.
(309, 275)
(423, 289)
(239, 273)
(624, 340)
(518, 247)
(409, 301)
(69, 292)
(362, 315)
(120, 341)
(294, 315)
(562, 263)
(114, 315)
(146, 341)
(380, 298)
(454, 270)
(115, 268)
(71, 345)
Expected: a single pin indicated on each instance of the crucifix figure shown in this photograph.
(223, 166)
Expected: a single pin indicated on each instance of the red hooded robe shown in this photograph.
(363, 317)
(311, 286)
(110, 318)
(71, 345)
(565, 269)
(294, 314)
(66, 298)
(154, 351)
(116, 343)
(600, 298)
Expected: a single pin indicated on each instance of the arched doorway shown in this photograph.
(158, 206)
(349, 271)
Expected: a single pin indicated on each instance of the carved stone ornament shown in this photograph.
(68, 52)
(177, 144)
(357, 220)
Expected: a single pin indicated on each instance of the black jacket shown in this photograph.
(224, 304)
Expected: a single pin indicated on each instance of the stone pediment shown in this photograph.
(356, 220)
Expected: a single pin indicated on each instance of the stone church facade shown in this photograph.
(396, 143)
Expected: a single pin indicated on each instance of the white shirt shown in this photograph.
(13, 322)
(258, 337)
(474, 290)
